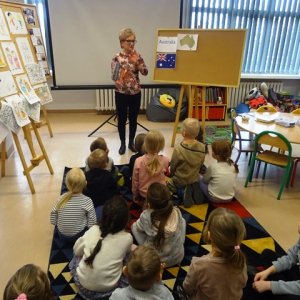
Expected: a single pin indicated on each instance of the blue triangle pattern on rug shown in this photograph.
(61, 253)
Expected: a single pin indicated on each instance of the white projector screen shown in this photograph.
(85, 35)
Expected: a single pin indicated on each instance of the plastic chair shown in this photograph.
(244, 135)
(267, 108)
(296, 111)
(269, 157)
(241, 145)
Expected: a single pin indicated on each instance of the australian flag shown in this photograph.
(165, 61)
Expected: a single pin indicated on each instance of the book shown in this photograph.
(266, 118)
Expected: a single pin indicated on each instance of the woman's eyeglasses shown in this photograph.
(131, 41)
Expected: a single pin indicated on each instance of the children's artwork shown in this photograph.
(43, 93)
(2, 61)
(4, 33)
(12, 57)
(7, 117)
(26, 89)
(165, 60)
(25, 50)
(47, 72)
(3, 131)
(16, 22)
(36, 40)
(35, 73)
(32, 110)
(36, 32)
(29, 15)
(7, 84)
(187, 42)
(166, 44)
(16, 104)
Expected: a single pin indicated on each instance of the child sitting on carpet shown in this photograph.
(29, 282)
(161, 225)
(150, 167)
(185, 164)
(100, 183)
(100, 143)
(218, 182)
(144, 277)
(73, 213)
(282, 273)
(128, 170)
(221, 274)
(102, 251)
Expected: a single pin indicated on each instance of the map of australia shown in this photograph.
(187, 40)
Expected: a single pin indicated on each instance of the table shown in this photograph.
(256, 127)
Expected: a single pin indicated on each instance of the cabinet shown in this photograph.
(213, 110)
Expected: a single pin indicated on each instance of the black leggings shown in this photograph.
(124, 101)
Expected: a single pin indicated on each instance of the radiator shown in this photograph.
(237, 95)
(105, 99)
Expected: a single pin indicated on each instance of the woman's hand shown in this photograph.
(134, 58)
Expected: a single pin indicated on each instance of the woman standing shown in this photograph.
(125, 67)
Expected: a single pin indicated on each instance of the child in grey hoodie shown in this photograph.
(144, 277)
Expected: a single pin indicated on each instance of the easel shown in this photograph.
(108, 121)
(193, 96)
(46, 122)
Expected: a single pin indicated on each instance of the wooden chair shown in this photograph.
(240, 145)
(296, 111)
(267, 108)
(244, 135)
(269, 157)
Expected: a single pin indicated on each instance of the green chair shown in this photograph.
(285, 161)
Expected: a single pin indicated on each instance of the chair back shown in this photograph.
(267, 108)
(296, 111)
(274, 139)
(236, 132)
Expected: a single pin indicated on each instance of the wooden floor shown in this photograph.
(25, 229)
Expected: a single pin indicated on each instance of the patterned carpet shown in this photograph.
(213, 133)
(257, 239)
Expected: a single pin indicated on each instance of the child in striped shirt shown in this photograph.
(73, 213)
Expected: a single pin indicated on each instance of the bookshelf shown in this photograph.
(213, 110)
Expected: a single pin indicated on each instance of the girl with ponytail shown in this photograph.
(102, 251)
(218, 182)
(73, 213)
(221, 274)
(161, 225)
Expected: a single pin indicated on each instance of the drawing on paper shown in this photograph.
(7, 84)
(43, 92)
(25, 50)
(26, 89)
(35, 73)
(3, 132)
(2, 61)
(4, 33)
(16, 22)
(32, 110)
(16, 104)
(12, 57)
(29, 15)
(8, 118)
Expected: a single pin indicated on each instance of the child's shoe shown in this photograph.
(188, 196)
(197, 193)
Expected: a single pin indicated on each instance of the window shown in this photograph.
(273, 31)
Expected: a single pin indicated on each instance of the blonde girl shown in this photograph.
(102, 251)
(221, 274)
(73, 213)
(218, 182)
(150, 167)
(161, 225)
(29, 282)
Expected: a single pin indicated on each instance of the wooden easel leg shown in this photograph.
(3, 151)
(177, 116)
(203, 97)
(42, 147)
(26, 170)
(196, 102)
(47, 120)
(28, 137)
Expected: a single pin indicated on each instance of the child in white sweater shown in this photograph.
(102, 251)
